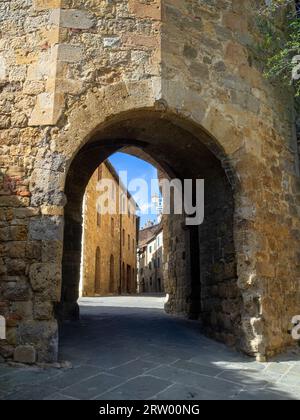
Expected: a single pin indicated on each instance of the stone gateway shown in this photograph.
(177, 80)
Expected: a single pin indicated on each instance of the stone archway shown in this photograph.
(94, 126)
(201, 262)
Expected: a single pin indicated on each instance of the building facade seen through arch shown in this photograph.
(104, 251)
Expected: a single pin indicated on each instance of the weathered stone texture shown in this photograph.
(25, 354)
(69, 70)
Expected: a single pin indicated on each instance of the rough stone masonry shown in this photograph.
(180, 80)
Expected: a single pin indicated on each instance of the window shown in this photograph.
(133, 285)
(128, 279)
(100, 173)
(123, 279)
(142, 286)
(113, 192)
(133, 245)
(150, 249)
(97, 272)
(112, 274)
(158, 262)
(159, 285)
(112, 227)
(123, 237)
(128, 242)
(150, 265)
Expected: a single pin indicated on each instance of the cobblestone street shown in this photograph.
(127, 348)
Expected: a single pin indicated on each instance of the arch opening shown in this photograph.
(200, 264)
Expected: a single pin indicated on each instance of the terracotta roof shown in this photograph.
(148, 234)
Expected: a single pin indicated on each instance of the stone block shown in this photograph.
(15, 289)
(47, 110)
(18, 74)
(111, 42)
(69, 53)
(47, 4)
(72, 18)
(52, 251)
(25, 354)
(45, 104)
(46, 229)
(24, 213)
(11, 333)
(52, 211)
(18, 233)
(16, 266)
(43, 335)
(46, 278)
(6, 350)
(47, 185)
(13, 201)
(3, 71)
(33, 87)
(43, 311)
(4, 234)
(146, 10)
(33, 250)
(22, 309)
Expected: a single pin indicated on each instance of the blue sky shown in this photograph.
(138, 169)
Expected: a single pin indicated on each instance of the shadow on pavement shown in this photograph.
(120, 353)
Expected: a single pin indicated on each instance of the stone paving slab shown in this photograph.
(31, 393)
(137, 352)
(90, 388)
(261, 395)
(221, 387)
(135, 368)
(20, 379)
(73, 376)
(184, 393)
(142, 388)
(211, 371)
(59, 397)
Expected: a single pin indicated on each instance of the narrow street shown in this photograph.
(127, 348)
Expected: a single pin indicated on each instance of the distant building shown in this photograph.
(150, 260)
(157, 201)
(109, 264)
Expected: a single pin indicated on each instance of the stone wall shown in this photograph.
(83, 76)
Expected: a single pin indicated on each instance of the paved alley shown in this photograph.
(127, 348)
